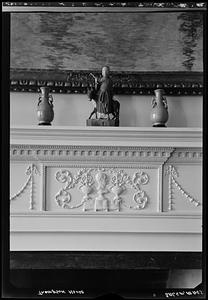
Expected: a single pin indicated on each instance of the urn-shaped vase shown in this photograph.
(159, 113)
(45, 111)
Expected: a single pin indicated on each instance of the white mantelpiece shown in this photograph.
(111, 136)
(106, 188)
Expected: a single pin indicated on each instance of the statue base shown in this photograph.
(100, 122)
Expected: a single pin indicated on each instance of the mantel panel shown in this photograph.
(123, 191)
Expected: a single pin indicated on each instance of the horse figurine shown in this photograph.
(93, 97)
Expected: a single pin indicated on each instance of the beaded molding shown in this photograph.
(31, 170)
(172, 173)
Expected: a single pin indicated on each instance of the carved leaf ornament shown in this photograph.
(140, 178)
(63, 197)
(96, 183)
(65, 176)
(141, 199)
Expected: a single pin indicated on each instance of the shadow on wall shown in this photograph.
(71, 110)
(183, 111)
(136, 111)
(129, 116)
(184, 278)
(177, 113)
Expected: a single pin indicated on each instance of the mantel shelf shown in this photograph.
(107, 136)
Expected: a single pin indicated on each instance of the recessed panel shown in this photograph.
(24, 187)
(182, 187)
(101, 189)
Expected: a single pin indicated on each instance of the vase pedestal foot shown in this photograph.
(44, 123)
(159, 125)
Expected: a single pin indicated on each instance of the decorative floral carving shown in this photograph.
(63, 198)
(101, 200)
(119, 181)
(86, 183)
(31, 170)
(101, 181)
(86, 180)
(117, 190)
(141, 199)
(65, 176)
(173, 174)
(140, 178)
(120, 178)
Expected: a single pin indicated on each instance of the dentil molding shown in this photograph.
(108, 189)
(89, 153)
(129, 144)
(102, 155)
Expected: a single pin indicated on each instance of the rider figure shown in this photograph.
(104, 86)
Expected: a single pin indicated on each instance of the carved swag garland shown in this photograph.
(97, 183)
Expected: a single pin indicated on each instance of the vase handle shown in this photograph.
(39, 100)
(50, 98)
(154, 103)
(165, 102)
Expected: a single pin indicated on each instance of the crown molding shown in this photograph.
(156, 155)
(106, 136)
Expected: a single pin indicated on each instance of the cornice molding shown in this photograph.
(106, 136)
(90, 153)
(186, 155)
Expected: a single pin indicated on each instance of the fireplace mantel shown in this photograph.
(105, 189)
(107, 136)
